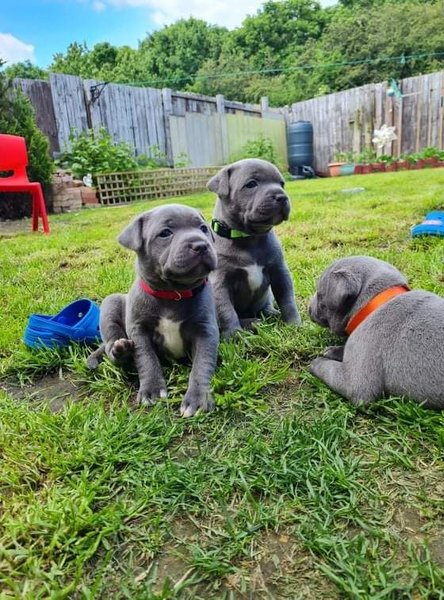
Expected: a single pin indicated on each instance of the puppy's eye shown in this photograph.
(165, 233)
(251, 184)
(204, 228)
(282, 184)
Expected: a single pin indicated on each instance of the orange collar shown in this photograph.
(374, 304)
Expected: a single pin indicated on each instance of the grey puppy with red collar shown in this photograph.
(396, 336)
(251, 266)
(169, 311)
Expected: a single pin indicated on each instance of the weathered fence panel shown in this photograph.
(39, 94)
(130, 114)
(201, 138)
(219, 138)
(121, 188)
(242, 129)
(68, 99)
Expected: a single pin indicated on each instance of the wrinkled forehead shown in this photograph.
(262, 173)
(173, 217)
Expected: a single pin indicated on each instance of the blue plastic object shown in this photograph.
(77, 322)
(433, 224)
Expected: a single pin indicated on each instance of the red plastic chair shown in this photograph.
(14, 157)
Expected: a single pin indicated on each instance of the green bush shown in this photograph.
(96, 152)
(17, 118)
(261, 147)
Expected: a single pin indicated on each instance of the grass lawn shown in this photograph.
(285, 491)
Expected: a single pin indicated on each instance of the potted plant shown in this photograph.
(388, 161)
(404, 162)
(344, 164)
(430, 156)
(365, 158)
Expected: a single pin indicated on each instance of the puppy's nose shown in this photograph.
(281, 198)
(199, 247)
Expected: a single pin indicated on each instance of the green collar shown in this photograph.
(226, 232)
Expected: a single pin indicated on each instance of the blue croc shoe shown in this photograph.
(433, 224)
(77, 322)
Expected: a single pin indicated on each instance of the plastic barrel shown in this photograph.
(300, 146)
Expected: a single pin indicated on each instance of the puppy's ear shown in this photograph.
(343, 288)
(220, 183)
(132, 236)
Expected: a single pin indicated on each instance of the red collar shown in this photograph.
(172, 294)
(374, 304)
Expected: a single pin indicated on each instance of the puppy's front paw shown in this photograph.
(148, 395)
(316, 366)
(194, 401)
(250, 324)
(334, 353)
(292, 319)
(226, 334)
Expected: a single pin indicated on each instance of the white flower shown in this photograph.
(384, 136)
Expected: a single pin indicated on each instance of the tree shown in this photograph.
(76, 61)
(279, 31)
(17, 118)
(172, 55)
(25, 70)
(364, 40)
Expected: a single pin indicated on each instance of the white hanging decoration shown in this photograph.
(384, 136)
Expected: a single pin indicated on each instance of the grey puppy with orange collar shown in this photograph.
(396, 336)
(251, 266)
(169, 311)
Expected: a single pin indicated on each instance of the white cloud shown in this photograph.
(229, 13)
(14, 50)
(98, 6)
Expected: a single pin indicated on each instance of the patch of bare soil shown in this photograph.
(52, 390)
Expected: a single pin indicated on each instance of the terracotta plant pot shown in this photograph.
(335, 169)
(403, 164)
(89, 196)
(366, 169)
(419, 164)
(431, 162)
(377, 167)
(358, 169)
(392, 166)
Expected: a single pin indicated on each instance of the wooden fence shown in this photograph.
(211, 130)
(121, 188)
(345, 121)
(140, 116)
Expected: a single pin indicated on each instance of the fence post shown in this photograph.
(220, 103)
(167, 112)
(264, 106)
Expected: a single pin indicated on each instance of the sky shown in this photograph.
(37, 29)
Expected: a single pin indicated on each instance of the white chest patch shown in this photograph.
(255, 274)
(172, 340)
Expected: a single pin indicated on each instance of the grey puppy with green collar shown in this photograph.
(396, 336)
(251, 266)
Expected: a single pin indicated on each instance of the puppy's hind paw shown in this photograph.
(94, 359)
(121, 350)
